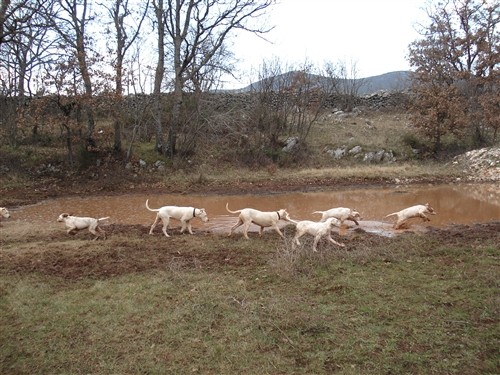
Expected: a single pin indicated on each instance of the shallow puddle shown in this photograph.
(454, 204)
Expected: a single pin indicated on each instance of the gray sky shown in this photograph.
(374, 34)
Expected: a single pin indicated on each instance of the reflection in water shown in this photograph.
(460, 204)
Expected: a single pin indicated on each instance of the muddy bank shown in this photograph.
(53, 188)
(476, 166)
(131, 250)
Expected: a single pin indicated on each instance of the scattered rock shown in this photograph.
(369, 156)
(290, 144)
(355, 150)
(480, 165)
(338, 153)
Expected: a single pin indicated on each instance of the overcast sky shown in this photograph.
(374, 34)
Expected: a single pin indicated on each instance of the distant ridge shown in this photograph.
(392, 81)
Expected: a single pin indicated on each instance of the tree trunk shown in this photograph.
(87, 83)
(175, 122)
(160, 71)
(117, 144)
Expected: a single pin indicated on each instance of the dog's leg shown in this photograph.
(240, 222)
(92, 229)
(353, 219)
(296, 238)
(154, 224)
(246, 226)
(165, 221)
(101, 231)
(183, 228)
(189, 227)
(277, 229)
(186, 224)
(72, 230)
(400, 223)
(316, 240)
(424, 218)
(335, 242)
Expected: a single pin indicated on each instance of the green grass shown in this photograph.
(410, 304)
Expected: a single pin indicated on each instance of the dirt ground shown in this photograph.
(130, 249)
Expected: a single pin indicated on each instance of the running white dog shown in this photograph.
(412, 212)
(183, 214)
(318, 230)
(260, 218)
(340, 213)
(76, 223)
(4, 213)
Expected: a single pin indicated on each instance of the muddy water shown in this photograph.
(454, 203)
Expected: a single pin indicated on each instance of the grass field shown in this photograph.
(209, 304)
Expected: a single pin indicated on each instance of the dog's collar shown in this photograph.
(279, 217)
(194, 212)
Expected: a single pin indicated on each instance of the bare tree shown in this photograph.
(22, 54)
(70, 20)
(125, 37)
(64, 107)
(347, 83)
(4, 8)
(196, 32)
(287, 104)
(15, 16)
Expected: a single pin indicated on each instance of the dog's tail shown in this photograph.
(232, 212)
(103, 218)
(151, 209)
(394, 213)
(318, 212)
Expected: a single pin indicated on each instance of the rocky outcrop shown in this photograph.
(379, 156)
(480, 165)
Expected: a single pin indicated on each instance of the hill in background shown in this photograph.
(393, 81)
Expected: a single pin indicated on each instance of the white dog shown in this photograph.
(318, 230)
(341, 214)
(411, 212)
(263, 219)
(76, 223)
(4, 212)
(183, 214)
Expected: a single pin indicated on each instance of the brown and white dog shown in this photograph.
(261, 218)
(340, 213)
(413, 212)
(318, 230)
(76, 223)
(183, 214)
(4, 213)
